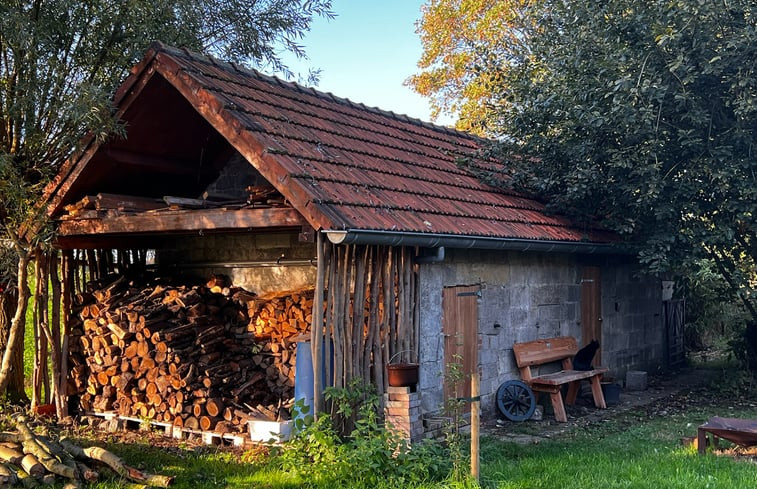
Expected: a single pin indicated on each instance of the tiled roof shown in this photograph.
(346, 166)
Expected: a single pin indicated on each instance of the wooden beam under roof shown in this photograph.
(183, 221)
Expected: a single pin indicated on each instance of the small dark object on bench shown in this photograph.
(582, 360)
(561, 349)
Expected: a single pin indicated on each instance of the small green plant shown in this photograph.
(301, 415)
(313, 452)
(358, 401)
(454, 409)
(368, 455)
(145, 423)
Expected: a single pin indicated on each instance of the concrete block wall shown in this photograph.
(182, 252)
(525, 296)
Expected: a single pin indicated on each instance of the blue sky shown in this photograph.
(367, 52)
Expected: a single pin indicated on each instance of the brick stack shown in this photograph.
(402, 412)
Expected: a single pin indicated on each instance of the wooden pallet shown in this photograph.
(116, 422)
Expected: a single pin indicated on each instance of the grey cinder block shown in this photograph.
(636, 380)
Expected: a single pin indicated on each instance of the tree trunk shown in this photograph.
(15, 344)
(15, 391)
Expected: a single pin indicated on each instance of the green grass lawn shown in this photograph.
(630, 453)
(635, 449)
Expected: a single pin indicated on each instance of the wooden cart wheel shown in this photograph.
(516, 400)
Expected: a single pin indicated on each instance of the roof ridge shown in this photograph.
(241, 68)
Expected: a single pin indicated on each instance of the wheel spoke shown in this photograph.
(515, 400)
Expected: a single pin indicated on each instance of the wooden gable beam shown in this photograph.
(56, 192)
(184, 220)
(245, 142)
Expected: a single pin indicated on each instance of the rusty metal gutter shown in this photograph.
(428, 240)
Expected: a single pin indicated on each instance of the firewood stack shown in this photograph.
(30, 459)
(205, 357)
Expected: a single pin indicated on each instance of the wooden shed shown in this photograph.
(226, 171)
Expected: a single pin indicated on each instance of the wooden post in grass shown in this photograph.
(474, 424)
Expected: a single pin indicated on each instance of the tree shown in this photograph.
(640, 117)
(8, 301)
(61, 60)
(466, 46)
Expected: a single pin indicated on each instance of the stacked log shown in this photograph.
(278, 320)
(30, 460)
(205, 357)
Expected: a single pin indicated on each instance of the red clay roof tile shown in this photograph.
(365, 169)
(345, 166)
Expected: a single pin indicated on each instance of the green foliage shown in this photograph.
(454, 409)
(466, 44)
(711, 319)
(641, 118)
(353, 406)
(60, 62)
(369, 456)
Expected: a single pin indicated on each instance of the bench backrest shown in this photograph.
(546, 350)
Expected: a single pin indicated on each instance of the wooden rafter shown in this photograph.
(184, 220)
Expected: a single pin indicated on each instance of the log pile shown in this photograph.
(206, 357)
(30, 459)
(104, 204)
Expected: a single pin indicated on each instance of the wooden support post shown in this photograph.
(596, 391)
(316, 337)
(701, 441)
(67, 292)
(557, 405)
(474, 425)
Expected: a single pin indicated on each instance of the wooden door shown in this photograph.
(591, 309)
(460, 330)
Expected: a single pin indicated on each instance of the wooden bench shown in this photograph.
(561, 349)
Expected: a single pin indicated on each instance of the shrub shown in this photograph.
(370, 455)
